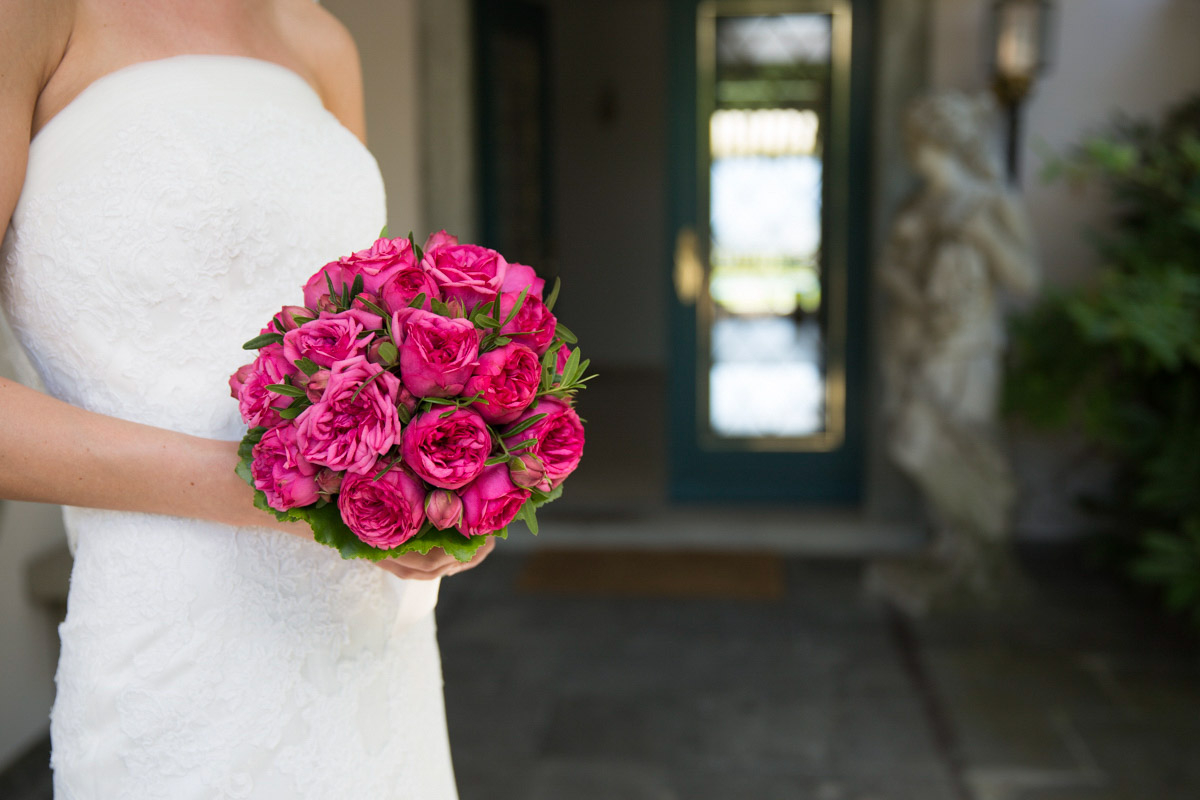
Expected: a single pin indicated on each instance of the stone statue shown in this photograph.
(961, 241)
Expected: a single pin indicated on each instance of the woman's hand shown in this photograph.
(437, 563)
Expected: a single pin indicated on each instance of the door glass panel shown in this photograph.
(766, 105)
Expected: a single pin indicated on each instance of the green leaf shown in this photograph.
(404, 414)
(383, 233)
(494, 460)
(554, 494)
(553, 297)
(515, 309)
(389, 353)
(285, 389)
(528, 515)
(500, 341)
(566, 334)
(374, 309)
(519, 445)
(384, 471)
(308, 366)
(290, 412)
(439, 307)
(450, 540)
(262, 340)
(523, 425)
(417, 301)
(484, 321)
(355, 289)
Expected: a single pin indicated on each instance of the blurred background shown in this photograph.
(776, 574)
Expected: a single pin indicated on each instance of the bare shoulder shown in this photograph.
(33, 37)
(328, 48)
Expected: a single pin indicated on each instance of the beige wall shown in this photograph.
(388, 42)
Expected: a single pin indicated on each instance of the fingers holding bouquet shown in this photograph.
(418, 403)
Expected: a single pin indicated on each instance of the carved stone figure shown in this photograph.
(959, 244)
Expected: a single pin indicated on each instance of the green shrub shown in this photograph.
(1119, 359)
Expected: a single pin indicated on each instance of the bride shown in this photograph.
(170, 173)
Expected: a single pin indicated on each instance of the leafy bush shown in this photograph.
(1119, 359)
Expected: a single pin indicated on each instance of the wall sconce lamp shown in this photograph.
(1020, 52)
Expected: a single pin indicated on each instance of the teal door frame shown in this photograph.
(830, 478)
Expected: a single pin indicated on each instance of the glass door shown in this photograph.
(769, 231)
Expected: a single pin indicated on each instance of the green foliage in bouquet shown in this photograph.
(1119, 359)
(329, 529)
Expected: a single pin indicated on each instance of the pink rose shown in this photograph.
(285, 320)
(437, 354)
(384, 513)
(439, 240)
(403, 287)
(533, 326)
(257, 404)
(238, 379)
(447, 452)
(490, 502)
(560, 359)
(329, 482)
(467, 273)
(331, 337)
(529, 472)
(316, 291)
(347, 432)
(519, 276)
(507, 378)
(281, 472)
(444, 509)
(375, 264)
(559, 437)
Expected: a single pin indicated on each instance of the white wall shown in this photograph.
(610, 176)
(28, 639)
(1131, 56)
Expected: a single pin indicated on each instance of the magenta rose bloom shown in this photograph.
(467, 273)
(439, 240)
(331, 337)
(281, 472)
(507, 378)
(447, 452)
(520, 276)
(403, 287)
(444, 509)
(560, 359)
(384, 513)
(257, 404)
(559, 438)
(437, 354)
(533, 326)
(347, 432)
(490, 502)
(375, 264)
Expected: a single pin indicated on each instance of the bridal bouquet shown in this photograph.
(420, 398)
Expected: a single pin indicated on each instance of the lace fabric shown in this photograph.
(167, 213)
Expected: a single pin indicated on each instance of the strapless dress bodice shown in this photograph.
(167, 212)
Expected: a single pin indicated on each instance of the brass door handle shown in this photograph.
(689, 272)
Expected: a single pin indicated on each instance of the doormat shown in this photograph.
(654, 573)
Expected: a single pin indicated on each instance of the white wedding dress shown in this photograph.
(167, 212)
